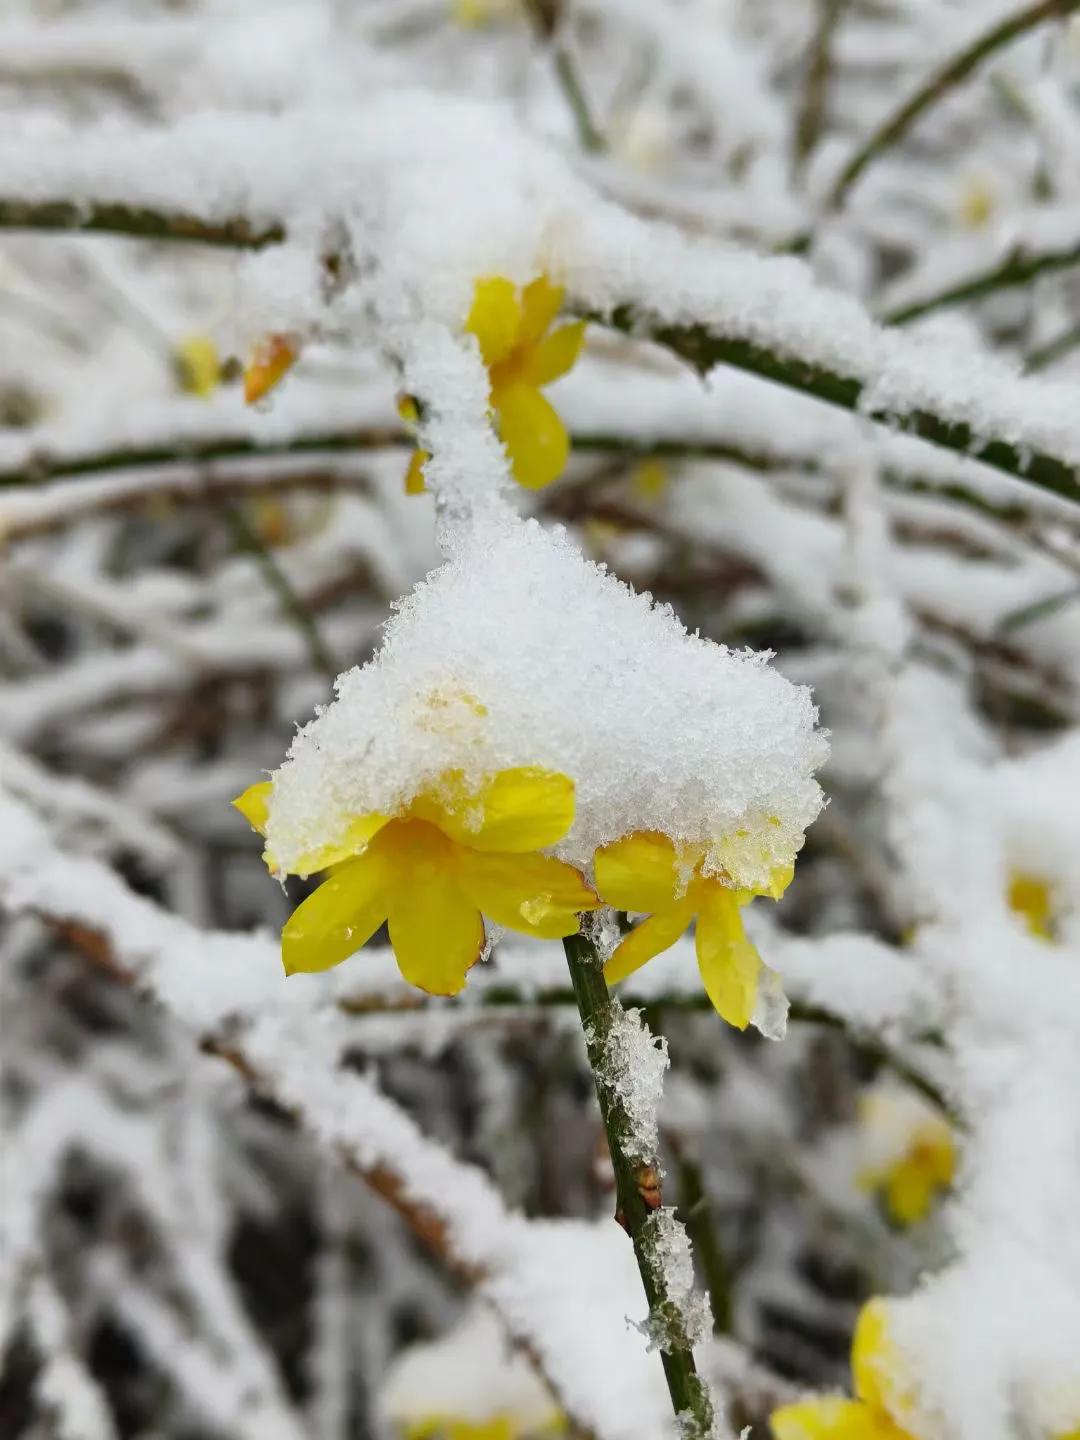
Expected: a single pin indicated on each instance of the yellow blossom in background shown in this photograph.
(409, 412)
(272, 357)
(198, 364)
(977, 203)
(500, 1426)
(650, 479)
(452, 855)
(1031, 899)
(923, 1163)
(646, 872)
(476, 14)
(868, 1416)
(522, 354)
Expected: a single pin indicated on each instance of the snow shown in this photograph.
(510, 606)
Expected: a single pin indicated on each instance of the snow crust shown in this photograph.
(659, 729)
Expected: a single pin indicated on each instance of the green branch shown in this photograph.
(947, 78)
(292, 606)
(690, 1397)
(704, 348)
(109, 218)
(1018, 267)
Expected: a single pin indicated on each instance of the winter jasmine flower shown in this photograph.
(869, 1416)
(453, 854)
(522, 354)
(198, 364)
(1030, 897)
(271, 359)
(915, 1153)
(647, 872)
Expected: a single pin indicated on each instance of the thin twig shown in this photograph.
(1017, 268)
(941, 82)
(698, 1219)
(690, 1397)
(545, 17)
(1054, 350)
(142, 222)
(292, 605)
(812, 110)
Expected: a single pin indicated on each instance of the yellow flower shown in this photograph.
(1031, 899)
(977, 202)
(450, 856)
(475, 14)
(198, 364)
(409, 411)
(925, 1164)
(270, 360)
(522, 353)
(650, 479)
(867, 1417)
(647, 872)
(500, 1426)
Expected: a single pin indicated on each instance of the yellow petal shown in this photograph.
(436, 931)
(524, 808)
(531, 893)
(909, 1193)
(540, 301)
(831, 1417)
(729, 963)
(534, 436)
(554, 355)
(359, 832)
(657, 933)
(337, 918)
(495, 318)
(872, 1354)
(253, 804)
(407, 408)
(272, 358)
(200, 367)
(415, 484)
(1030, 898)
(640, 872)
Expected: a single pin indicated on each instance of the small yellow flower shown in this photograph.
(409, 412)
(522, 354)
(1031, 899)
(272, 357)
(198, 365)
(646, 872)
(924, 1164)
(450, 856)
(977, 202)
(867, 1417)
(650, 479)
(476, 14)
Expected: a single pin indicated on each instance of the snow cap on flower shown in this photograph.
(518, 652)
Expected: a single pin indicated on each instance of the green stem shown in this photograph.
(704, 348)
(546, 16)
(697, 1217)
(1054, 350)
(1017, 268)
(953, 73)
(812, 111)
(292, 605)
(689, 1394)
